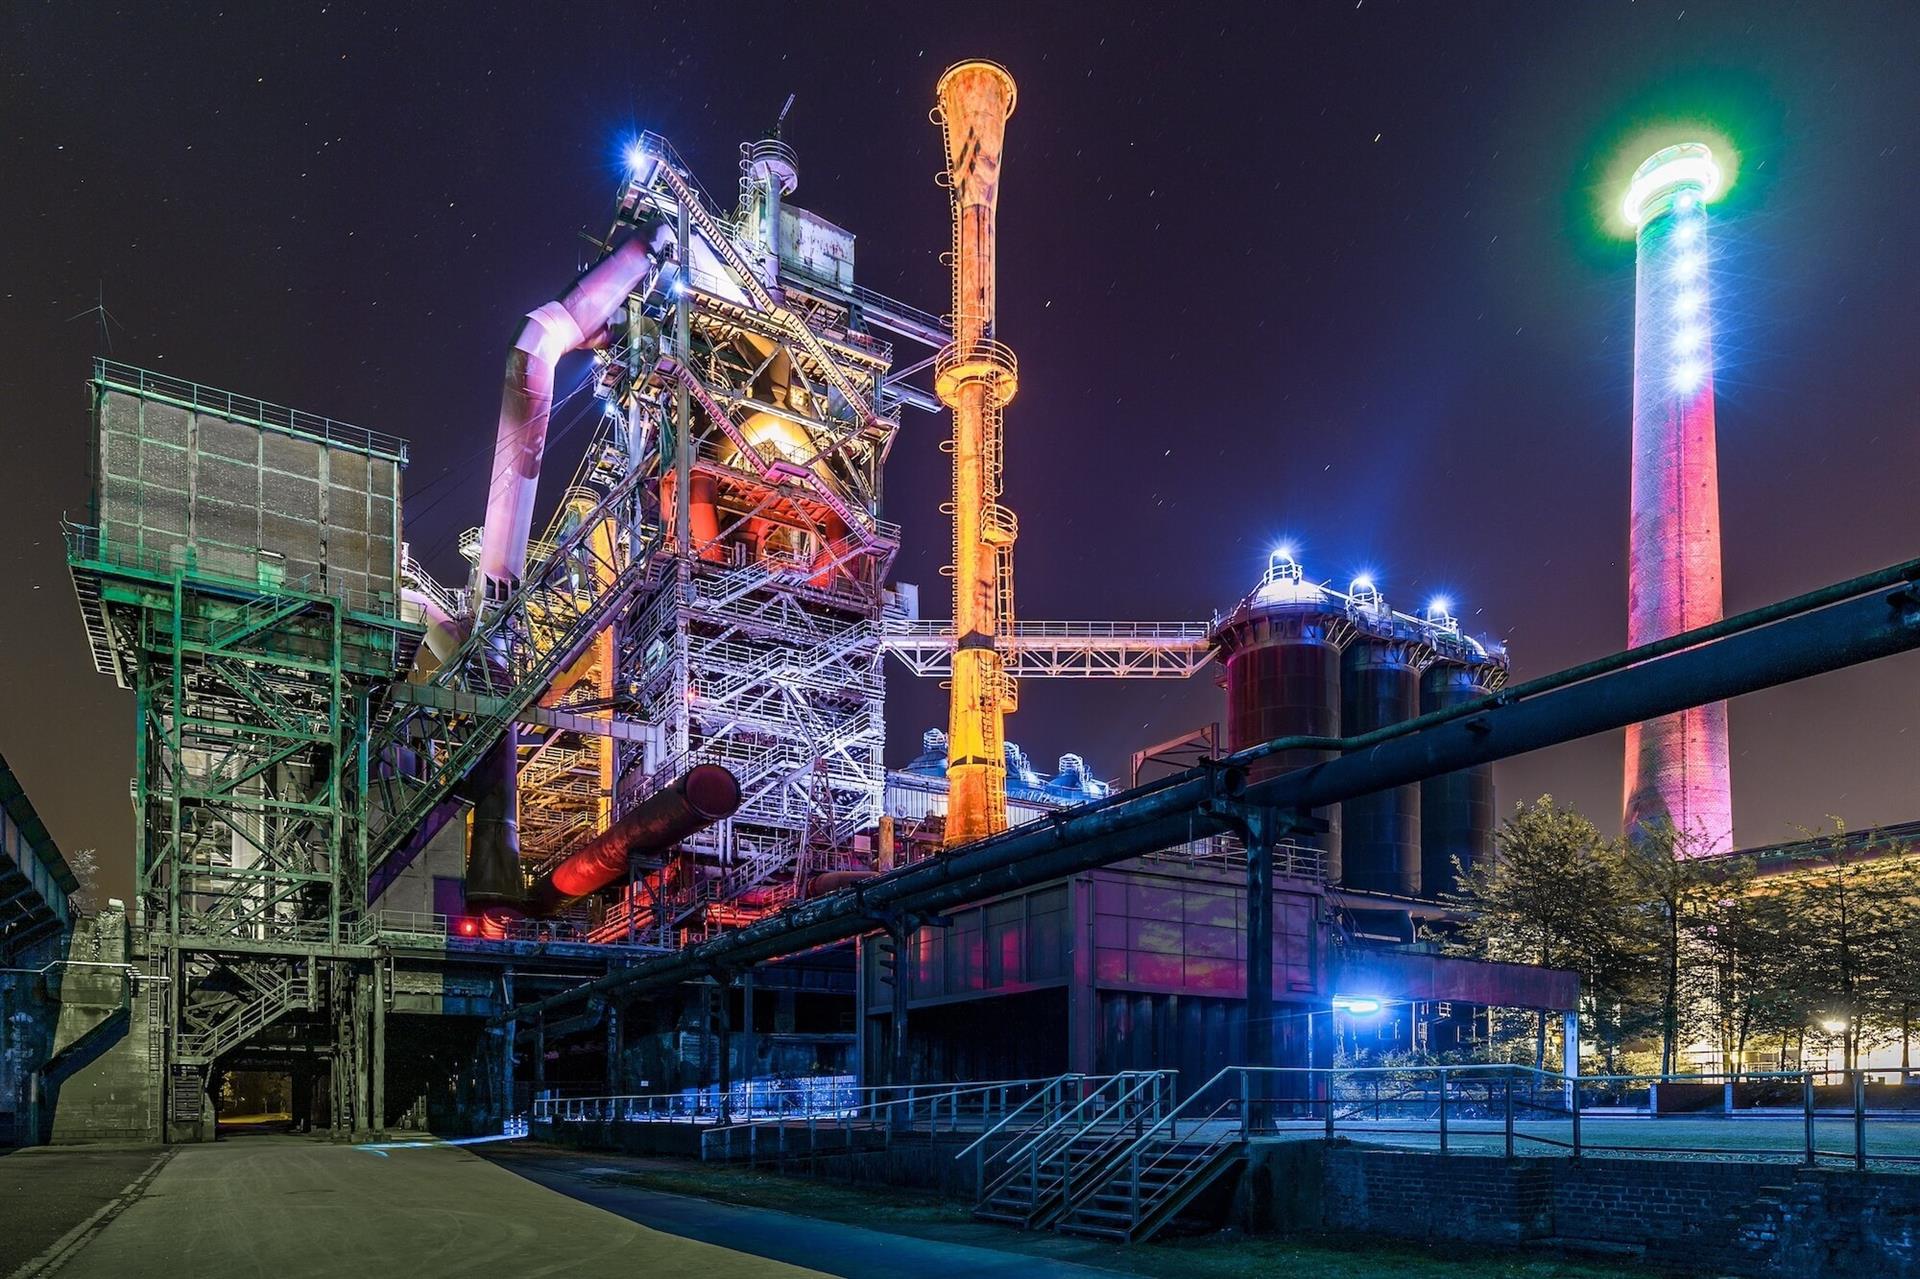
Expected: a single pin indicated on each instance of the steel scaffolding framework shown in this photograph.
(255, 695)
(756, 644)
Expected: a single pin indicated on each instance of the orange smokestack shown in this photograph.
(977, 377)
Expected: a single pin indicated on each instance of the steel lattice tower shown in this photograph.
(1676, 766)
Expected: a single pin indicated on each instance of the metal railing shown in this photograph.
(1144, 632)
(244, 408)
(400, 925)
(1810, 1116)
(886, 1111)
(824, 1105)
(86, 544)
(1229, 852)
(1039, 1165)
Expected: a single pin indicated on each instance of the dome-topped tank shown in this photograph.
(1280, 647)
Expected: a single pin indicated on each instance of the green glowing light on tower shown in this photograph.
(1677, 177)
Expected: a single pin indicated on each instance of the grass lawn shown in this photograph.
(1225, 1255)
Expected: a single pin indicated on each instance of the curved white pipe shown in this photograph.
(578, 319)
(445, 632)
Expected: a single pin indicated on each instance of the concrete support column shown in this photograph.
(1083, 998)
(616, 1028)
(723, 1030)
(360, 1122)
(1259, 970)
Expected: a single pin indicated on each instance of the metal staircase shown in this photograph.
(245, 1018)
(1130, 1191)
(669, 170)
(776, 470)
(1028, 1182)
(509, 659)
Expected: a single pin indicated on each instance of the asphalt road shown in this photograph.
(837, 1248)
(50, 1195)
(291, 1207)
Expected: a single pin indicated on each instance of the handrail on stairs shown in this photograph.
(1049, 1139)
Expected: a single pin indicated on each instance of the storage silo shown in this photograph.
(1280, 647)
(1457, 811)
(1380, 685)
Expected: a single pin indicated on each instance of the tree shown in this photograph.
(85, 865)
(1675, 889)
(1742, 969)
(1851, 912)
(1554, 894)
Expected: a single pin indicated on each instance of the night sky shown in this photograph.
(1334, 273)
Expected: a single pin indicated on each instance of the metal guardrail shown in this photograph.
(1229, 852)
(1144, 632)
(1811, 1116)
(886, 1110)
(830, 1102)
(245, 408)
(398, 925)
(1040, 1168)
(87, 545)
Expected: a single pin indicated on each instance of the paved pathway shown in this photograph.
(52, 1197)
(289, 1207)
(835, 1247)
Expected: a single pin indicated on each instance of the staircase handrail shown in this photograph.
(1044, 1145)
(1055, 1084)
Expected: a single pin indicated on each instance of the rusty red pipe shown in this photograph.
(706, 794)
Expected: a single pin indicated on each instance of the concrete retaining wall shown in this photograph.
(1740, 1218)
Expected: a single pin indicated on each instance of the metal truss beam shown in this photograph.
(463, 702)
(1064, 650)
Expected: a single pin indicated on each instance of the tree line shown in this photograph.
(1767, 964)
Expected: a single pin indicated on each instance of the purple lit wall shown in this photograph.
(1676, 766)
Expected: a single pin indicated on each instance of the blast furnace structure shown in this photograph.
(377, 813)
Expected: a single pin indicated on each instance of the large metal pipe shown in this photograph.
(1380, 832)
(1844, 625)
(494, 881)
(706, 794)
(577, 319)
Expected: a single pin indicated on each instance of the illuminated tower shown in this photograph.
(976, 377)
(1676, 765)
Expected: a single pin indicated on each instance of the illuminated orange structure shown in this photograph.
(977, 377)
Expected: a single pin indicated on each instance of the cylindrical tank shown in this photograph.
(1456, 810)
(1380, 833)
(1281, 652)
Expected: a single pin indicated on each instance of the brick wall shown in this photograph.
(1725, 1216)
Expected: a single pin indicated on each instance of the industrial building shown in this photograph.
(377, 815)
